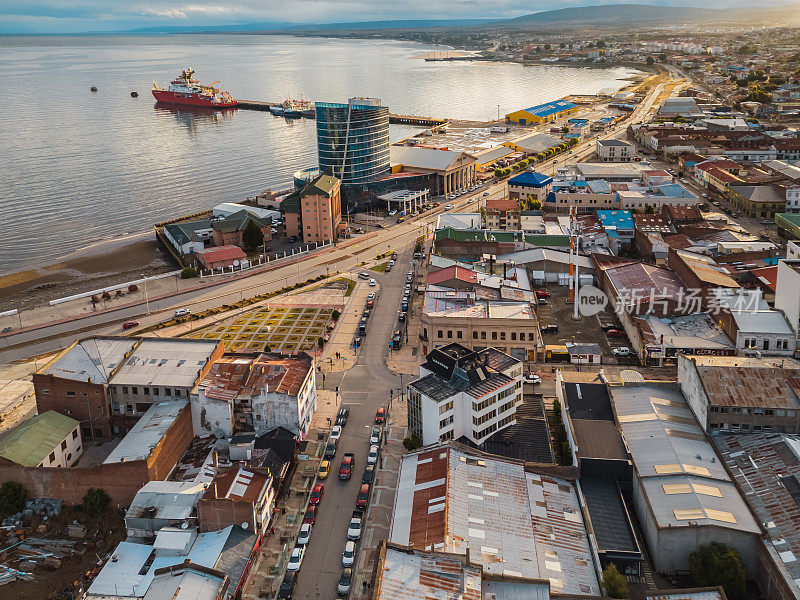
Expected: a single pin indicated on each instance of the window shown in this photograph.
(52, 457)
(177, 393)
(530, 336)
(146, 391)
(494, 335)
(70, 394)
(449, 334)
(513, 336)
(474, 335)
(45, 391)
(135, 391)
(766, 344)
(502, 335)
(440, 334)
(75, 434)
(458, 334)
(445, 407)
(445, 422)
(124, 389)
(483, 335)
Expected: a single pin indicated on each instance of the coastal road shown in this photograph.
(16, 346)
(363, 388)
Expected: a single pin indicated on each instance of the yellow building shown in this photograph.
(543, 113)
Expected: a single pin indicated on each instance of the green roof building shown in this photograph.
(46, 440)
(790, 223)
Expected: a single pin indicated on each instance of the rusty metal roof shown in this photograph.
(757, 387)
(242, 376)
(238, 484)
(515, 523)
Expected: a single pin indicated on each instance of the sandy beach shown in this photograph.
(102, 264)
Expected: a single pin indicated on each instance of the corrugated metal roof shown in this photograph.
(29, 443)
(756, 387)
(516, 523)
(147, 432)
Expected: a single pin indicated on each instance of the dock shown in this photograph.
(397, 119)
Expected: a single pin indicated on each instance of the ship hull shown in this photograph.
(190, 99)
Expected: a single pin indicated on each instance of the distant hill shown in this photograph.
(643, 14)
(297, 27)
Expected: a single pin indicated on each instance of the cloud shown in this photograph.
(92, 15)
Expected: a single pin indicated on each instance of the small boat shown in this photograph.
(93, 88)
(292, 108)
(134, 94)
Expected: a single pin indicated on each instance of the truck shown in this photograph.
(346, 468)
(354, 528)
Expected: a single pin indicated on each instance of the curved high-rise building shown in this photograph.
(353, 140)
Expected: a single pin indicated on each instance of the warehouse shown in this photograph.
(543, 113)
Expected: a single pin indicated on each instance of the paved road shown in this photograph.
(364, 388)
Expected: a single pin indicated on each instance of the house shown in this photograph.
(222, 257)
(255, 391)
(160, 504)
(190, 237)
(618, 226)
(758, 332)
(502, 213)
(787, 299)
(238, 495)
(741, 395)
(529, 186)
(533, 143)
(512, 521)
(49, 439)
(453, 277)
(615, 150)
(463, 392)
(548, 112)
(314, 213)
(659, 341)
(584, 353)
(701, 274)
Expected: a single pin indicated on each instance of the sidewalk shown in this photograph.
(378, 517)
(341, 340)
(269, 566)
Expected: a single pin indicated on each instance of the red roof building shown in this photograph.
(454, 277)
(220, 257)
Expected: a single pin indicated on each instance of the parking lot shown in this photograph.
(558, 311)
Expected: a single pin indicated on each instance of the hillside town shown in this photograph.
(552, 355)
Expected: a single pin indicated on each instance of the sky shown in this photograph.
(80, 16)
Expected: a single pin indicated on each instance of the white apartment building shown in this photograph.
(615, 150)
(787, 297)
(461, 392)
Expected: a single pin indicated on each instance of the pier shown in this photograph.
(398, 119)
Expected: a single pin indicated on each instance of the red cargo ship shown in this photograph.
(185, 89)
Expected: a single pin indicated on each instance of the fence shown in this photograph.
(265, 260)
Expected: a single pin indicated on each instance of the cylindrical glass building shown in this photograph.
(353, 140)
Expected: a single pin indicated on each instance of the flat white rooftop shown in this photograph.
(148, 431)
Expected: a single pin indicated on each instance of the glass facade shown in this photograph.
(353, 140)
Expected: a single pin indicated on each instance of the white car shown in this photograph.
(180, 312)
(393, 212)
(305, 534)
(372, 457)
(336, 433)
(448, 206)
(375, 436)
(533, 378)
(296, 559)
(372, 283)
(349, 554)
(624, 351)
(354, 529)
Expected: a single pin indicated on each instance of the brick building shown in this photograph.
(502, 213)
(314, 214)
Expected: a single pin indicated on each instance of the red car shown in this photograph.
(616, 333)
(316, 494)
(542, 294)
(346, 468)
(311, 515)
(380, 415)
(129, 324)
(363, 496)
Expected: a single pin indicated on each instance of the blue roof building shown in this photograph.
(619, 220)
(543, 113)
(532, 179)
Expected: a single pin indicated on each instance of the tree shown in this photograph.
(601, 44)
(95, 500)
(335, 315)
(412, 442)
(614, 583)
(718, 565)
(547, 46)
(536, 205)
(649, 209)
(12, 498)
(188, 273)
(252, 237)
(650, 60)
(320, 342)
(498, 173)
